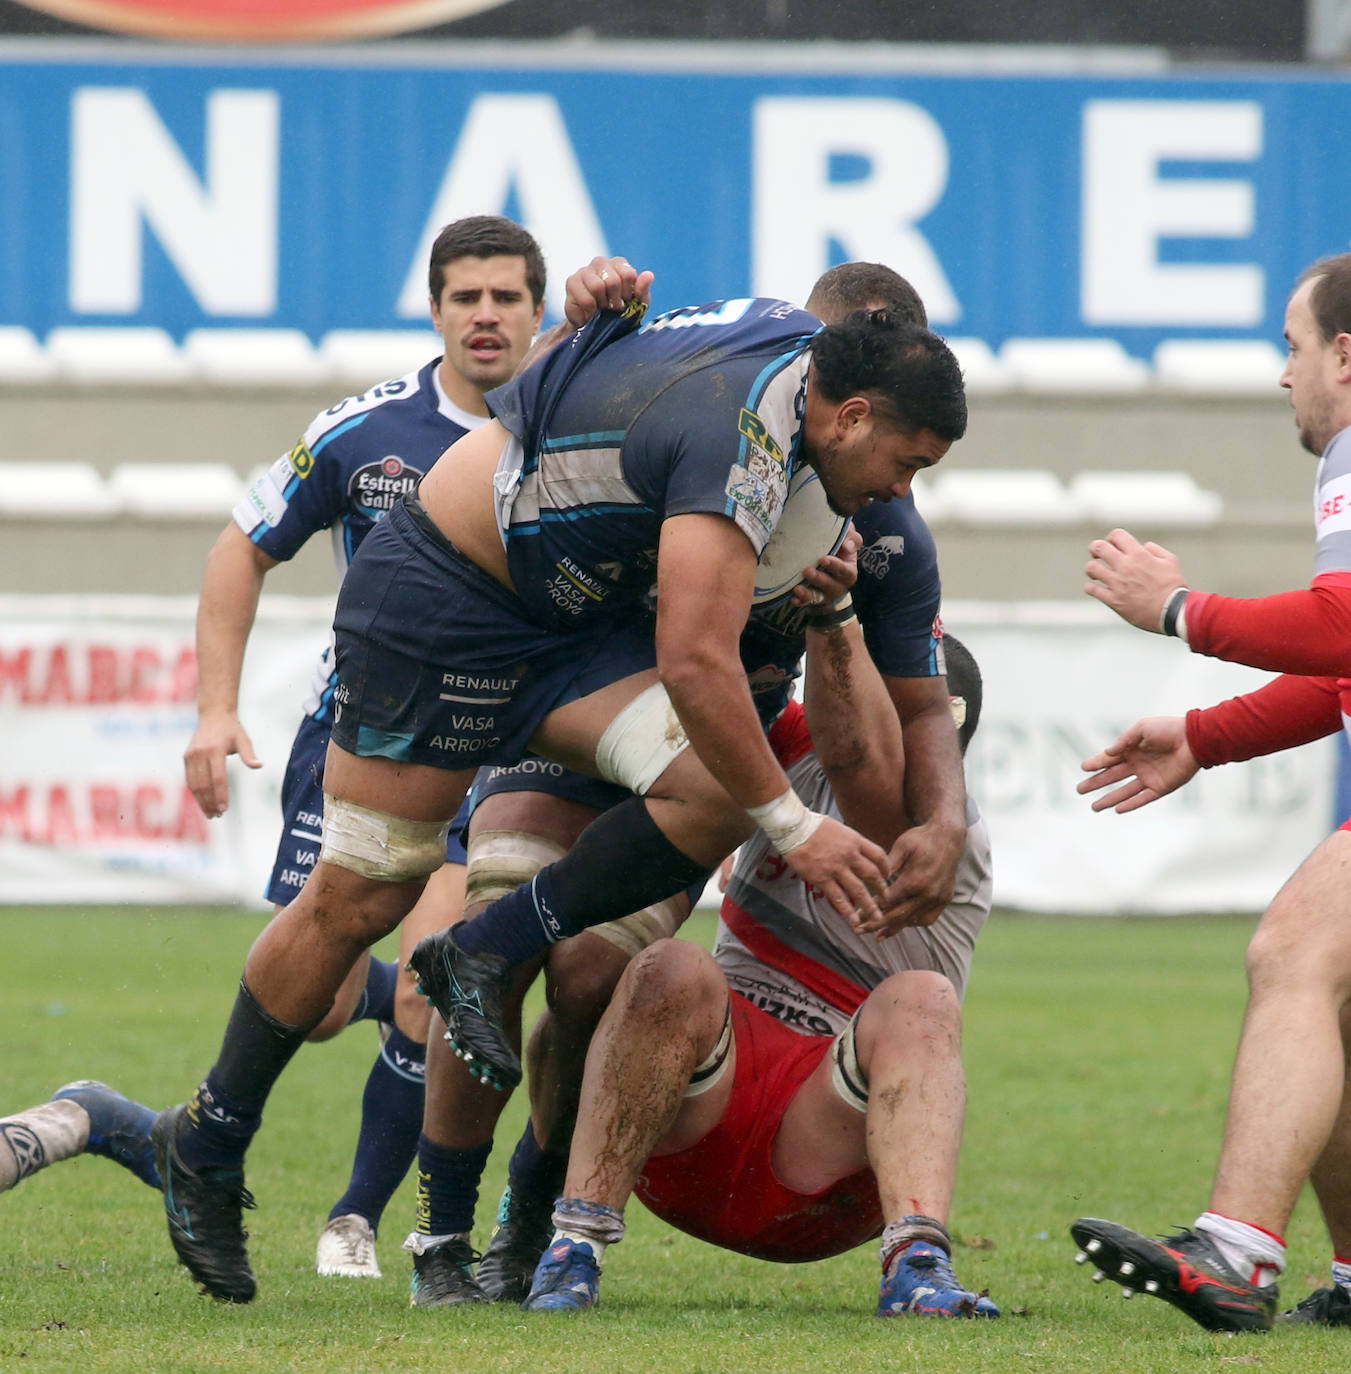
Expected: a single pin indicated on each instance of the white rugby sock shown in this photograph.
(33, 1139)
(1254, 1254)
(1341, 1274)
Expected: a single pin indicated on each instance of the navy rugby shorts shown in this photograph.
(439, 664)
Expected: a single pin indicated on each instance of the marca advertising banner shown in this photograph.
(97, 704)
(98, 699)
(186, 189)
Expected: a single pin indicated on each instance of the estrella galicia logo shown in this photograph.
(375, 488)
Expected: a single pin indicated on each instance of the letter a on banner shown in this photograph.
(512, 142)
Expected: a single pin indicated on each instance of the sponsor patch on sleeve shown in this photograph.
(754, 503)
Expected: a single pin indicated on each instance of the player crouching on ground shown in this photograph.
(800, 1091)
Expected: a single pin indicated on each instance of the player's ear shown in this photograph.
(852, 412)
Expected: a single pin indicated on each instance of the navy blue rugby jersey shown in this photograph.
(700, 410)
(348, 469)
(897, 597)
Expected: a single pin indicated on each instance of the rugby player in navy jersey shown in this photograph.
(500, 609)
(486, 278)
(529, 814)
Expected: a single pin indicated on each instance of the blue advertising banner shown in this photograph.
(181, 189)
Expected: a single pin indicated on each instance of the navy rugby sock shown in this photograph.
(537, 1172)
(447, 1187)
(377, 997)
(227, 1108)
(621, 863)
(391, 1121)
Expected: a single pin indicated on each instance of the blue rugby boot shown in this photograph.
(567, 1279)
(119, 1129)
(919, 1282)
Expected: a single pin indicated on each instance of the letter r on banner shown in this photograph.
(798, 211)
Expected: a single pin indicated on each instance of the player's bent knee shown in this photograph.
(910, 1003)
(672, 974)
(582, 976)
(501, 860)
(376, 845)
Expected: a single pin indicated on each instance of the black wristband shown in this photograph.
(1172, 608)
(827, 619)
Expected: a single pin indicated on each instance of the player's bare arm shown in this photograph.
(233, 581)
(1136, 580)
(854, 730)
(1147, 762)
(706, 571)
(924, 857)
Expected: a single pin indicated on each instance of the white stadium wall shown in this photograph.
(96, 707)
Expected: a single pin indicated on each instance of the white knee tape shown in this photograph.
(501, 860)
(633, 934)
(376, 845)
(848, 1078)
(640, 742)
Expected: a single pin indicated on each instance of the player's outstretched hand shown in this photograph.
(848, 870)
(1149, 761)
(604, 284)
(213, 741)
(830, 577)
(1134, 579)
(924, 862)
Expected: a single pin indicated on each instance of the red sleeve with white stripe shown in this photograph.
(1290, 711)
(1306, 632)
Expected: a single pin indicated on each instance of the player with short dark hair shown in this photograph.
(1289, 1115)
(528, 814)
(350, 467)
(494, 612)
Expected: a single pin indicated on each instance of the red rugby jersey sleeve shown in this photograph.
(1290, 711)
(1305, 632)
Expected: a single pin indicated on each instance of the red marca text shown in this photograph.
(90, 813)
(98, 675)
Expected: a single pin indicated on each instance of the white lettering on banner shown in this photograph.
(1128, 208)
(98, 675)
(220, 231)
(513, 142)
(95, 813)
(798, 211)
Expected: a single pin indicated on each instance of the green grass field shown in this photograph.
(1098, 1054)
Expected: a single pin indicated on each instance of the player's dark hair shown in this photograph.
(909, 373)
(852, 286)
(1330, 298)
(486, 236)
(964, 681)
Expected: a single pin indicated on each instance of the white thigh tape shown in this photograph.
(710, 1072)
(376, 845)
(640, 742)
(501, 860)
(848, 1078)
